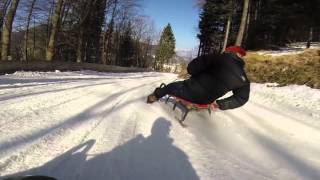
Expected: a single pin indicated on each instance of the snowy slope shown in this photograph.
(292, 49)
(89, 125)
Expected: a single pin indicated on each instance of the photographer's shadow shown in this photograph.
(153, 157)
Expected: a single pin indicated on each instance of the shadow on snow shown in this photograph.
(153, 157)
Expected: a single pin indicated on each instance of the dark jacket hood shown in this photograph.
(236, 58)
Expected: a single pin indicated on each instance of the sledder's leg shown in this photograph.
(177, 89)
(153, 97)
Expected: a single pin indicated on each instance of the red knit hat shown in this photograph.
(236, 49)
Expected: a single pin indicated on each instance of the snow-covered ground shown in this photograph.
(89, 125)
(292, 49)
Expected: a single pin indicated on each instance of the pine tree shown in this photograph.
(96, 20)
(277, 22)
(213, 22)
(166, 49)
(257, 24)
(126, 48)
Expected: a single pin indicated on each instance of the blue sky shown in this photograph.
(181, 14)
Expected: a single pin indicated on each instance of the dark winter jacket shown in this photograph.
(215, 75)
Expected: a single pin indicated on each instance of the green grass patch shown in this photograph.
(303, 68)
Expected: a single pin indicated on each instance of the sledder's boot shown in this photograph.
(152, 97)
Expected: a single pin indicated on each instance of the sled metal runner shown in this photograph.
(188, 106)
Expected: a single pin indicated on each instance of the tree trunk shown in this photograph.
(310, 38)
(3, 9)
(27, 28)
(54, 31)
(34, 38)
(243, 22)
(83, 26)
(247, 22)
(80, 50)
(6, 30)
(227, 34)
(107, 45)
(103, 54)
(49, 23)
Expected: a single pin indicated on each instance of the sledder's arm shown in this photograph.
(239, 98)
(201, 64)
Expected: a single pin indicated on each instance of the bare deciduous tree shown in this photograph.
(243, 22)
(27, 28)
(54, 31)
(7, 29)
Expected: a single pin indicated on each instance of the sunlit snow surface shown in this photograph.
(90, 125)
(292, 49)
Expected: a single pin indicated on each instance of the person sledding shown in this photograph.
(212, 76)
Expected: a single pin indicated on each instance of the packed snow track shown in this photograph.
(89, 125)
